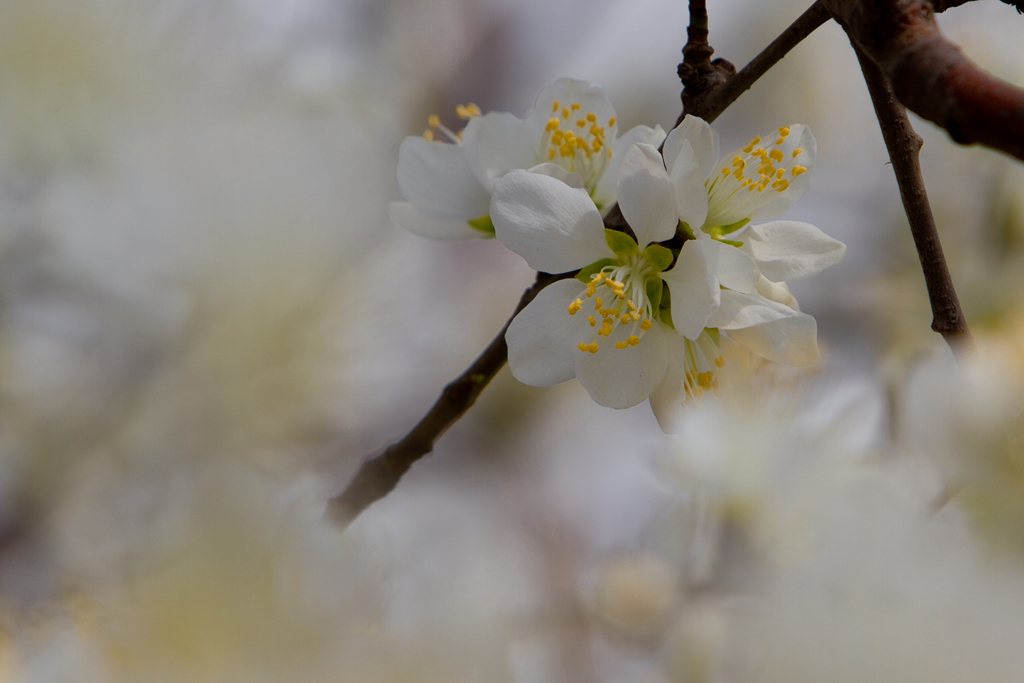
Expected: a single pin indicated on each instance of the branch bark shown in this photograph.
(904, 146)
(378, 476)
(931, 76)
(700, 75)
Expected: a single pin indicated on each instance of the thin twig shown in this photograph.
(904, 146)
(931, 76)
(378, 476)
(716, 101)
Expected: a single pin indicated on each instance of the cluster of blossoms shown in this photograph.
(651, 308)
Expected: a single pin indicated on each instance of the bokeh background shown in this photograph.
(206, 322)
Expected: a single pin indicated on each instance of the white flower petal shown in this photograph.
(646, 196)
(554, 227)
(542, 340)
(436, 178)
(406, 215)
(737, 311)
(791, 341)
(622, 378)
(604, 193)
(688, 185)
(694, 288)
(495, 144)
(668, 398)
(733, 268)
(558, 173)
(777, 292)
(703, 141)
(790, 250)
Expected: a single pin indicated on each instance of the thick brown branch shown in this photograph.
(378, 476)
(931, 76)
(943, 5)
(717, 100)
(904, 145)
(698, 73)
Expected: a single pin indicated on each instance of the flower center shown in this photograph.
(741, 180)
(619, 294)
(575, 140)
(702, 360)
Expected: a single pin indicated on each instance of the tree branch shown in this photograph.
(931, 76)
(378, 476)
(716, 101)
(700, 75)
(943, 5)
(904, 145)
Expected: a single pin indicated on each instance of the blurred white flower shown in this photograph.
(572, 132)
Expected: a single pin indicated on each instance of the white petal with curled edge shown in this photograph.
(554, 227)
(667, 399)
(604, 194)
(406, 215)
(688, 185)
(791, 341)
(791, 250)
(746, 310)
(645, 195)
(703, 141)
(495, 144)
(542, 340)
(436, 178)
(777, 292)
(694, 290)
(733, 268)
(622, 378)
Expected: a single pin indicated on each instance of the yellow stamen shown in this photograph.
(565, 113)
(575, 106)
(555, 105)
(797, 151)
(784, 131)
(720, 361)
(428, 135)
(598, 303)
(797, 170)
(632, 340)
(646, 325)
(592, 117)
(467, 111)
(612, 121)
(621, 345)
(776, 155)
(553, 123)
(581, 123)
(749, 148)
(592, 320)
(575, 307)
(434, 121)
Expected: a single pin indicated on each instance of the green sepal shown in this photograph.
(483, 224)
(621, 243)
(658, 256)
(731, 243)
(732, 227)
(653, 289)
(585, 274)
(686, 230)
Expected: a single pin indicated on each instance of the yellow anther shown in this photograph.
(784, 131)
(428, 135)
(720, 361)
(630, 305)
(467, 111)
(587, 348)
(797, 151)
(781, 172)
(593, 348)
(565, 113)
(598, 303)
(597, 277)
(781, 185)
(738, 161)
(575, 106)
(725, 171)
(776, 155)
(592, 117)
(592, 320)
(553, 123)
(575, 307)
(582, 346)
(555, 105)
(705, 379)
(581, 123)
(797, 170)
(632, 340)
(780, 141)
(621, 345)
(635, 316)
(759, 152)
(606, 312)
(646, 325)
(738, 174)
(606, 329)
(625, 318)
(612, 121)
(551, 154)
(750, 147)
(596, 130)
(434, 121)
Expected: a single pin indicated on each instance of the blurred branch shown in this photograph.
(931, 76)
(714, 102)
(904, 146)
(378, 476)
(943, 5)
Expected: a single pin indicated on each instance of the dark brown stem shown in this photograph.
(378, 476)
(717, 100)
(931, 76)
(698, 73)
(943, 5)
(904, 145)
